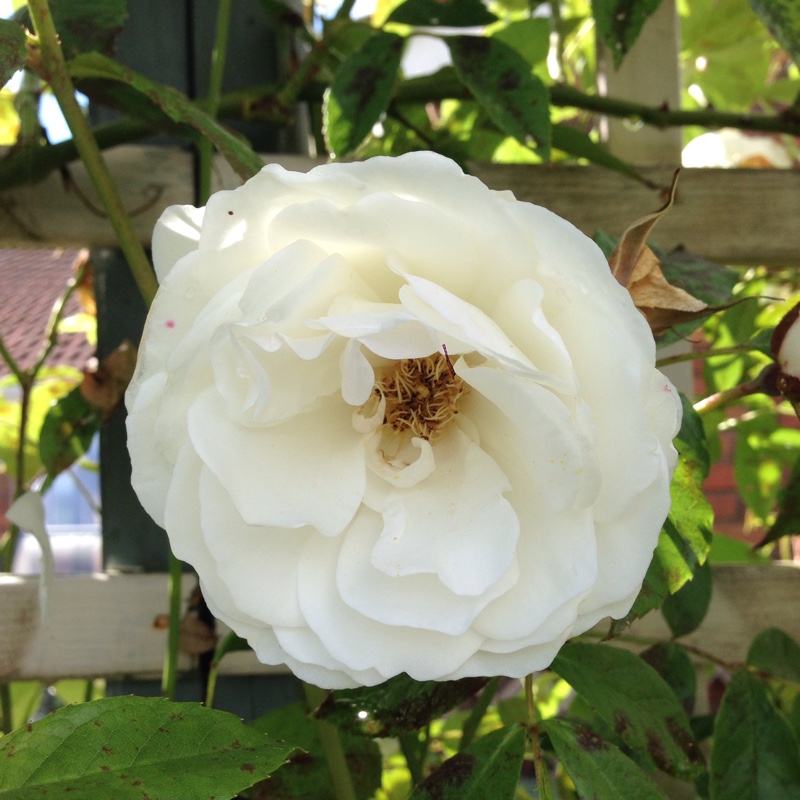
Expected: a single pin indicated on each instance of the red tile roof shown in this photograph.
(31, 281)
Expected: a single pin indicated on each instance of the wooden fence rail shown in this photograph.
(733, 216)
(108, 625)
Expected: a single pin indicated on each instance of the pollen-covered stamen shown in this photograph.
(421, 395)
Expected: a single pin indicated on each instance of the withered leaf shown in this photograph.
(105, 382)
(636, 267)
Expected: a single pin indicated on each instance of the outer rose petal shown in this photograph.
(334, 541)
(280, 487)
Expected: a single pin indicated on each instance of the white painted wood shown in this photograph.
(103, 625)
(99, 625)
(733, 216)
(650, 74)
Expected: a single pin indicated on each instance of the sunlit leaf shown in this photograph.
(361, 92)
(135, 747)
(502, 82)
(619, 23)
(67, 432)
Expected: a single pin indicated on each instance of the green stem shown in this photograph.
(332, 748)
(218, 56)
(472, 722)
(51, 331)
(539, 763)
(414, 753)
(169, 678)
(54, 71)
(345, 9)
(15, 368)
(695, 354)
(728, 397)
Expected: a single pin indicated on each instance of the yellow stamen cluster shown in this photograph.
(421, 395)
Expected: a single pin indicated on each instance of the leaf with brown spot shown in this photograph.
(488, 768)
(633, 698)
(599, 769)
(160, 749)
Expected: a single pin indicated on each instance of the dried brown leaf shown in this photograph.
(105, 382)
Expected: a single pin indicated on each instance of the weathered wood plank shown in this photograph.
(733, 216)
(99, 625)
(103, 625)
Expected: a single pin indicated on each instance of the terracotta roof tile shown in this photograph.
(31, 281)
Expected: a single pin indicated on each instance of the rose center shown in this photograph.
(421, 395)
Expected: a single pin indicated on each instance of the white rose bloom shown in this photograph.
(356, 502)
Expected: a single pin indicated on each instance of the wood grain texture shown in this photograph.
(733, 216)
(105, 625)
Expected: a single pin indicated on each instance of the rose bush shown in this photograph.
(398, 422)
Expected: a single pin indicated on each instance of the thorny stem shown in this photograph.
(52, 67)
(332, 747)
(728, 397)
(539, 763)
(218, 56)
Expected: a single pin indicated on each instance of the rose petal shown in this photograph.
(272, 481)
(361, 643)
(455, 524)
(176, 234)
(556, 455)
(257, 564)
(417, 601)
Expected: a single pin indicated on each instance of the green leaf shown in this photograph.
(600, 770)
(307, 775)
(67, 432)
(782, 17)
(135, 747)
(775, 652)
(686, 537)
(685, 610)
(635, 701)
(577, 143)
(529, 37)
(672, 663)
(619, 23)
(397, 706)
(488, 768)
(755, 754)
(361, 91)
(51, 384)
(12, 49)
(788, 520)
(176, 106)
(502, 82)
(448, 13)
